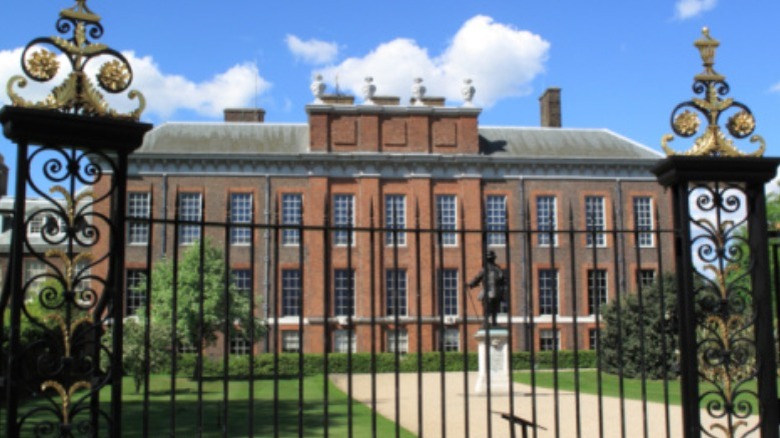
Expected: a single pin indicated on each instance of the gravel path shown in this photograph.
(455, 403)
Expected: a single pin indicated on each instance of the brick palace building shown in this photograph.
(423, 165)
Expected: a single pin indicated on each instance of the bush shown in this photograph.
(624, 350)
(288, 363)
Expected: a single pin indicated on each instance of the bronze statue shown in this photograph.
(492, 293)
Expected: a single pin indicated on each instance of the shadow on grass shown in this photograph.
(213, 423)
(207, 417)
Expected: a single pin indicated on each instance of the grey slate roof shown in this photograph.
(227, 138)
(559, 143)
(515, 142)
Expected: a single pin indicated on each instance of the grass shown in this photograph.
(160, 412)
(610, 384)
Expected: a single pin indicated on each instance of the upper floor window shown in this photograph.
(242, 280)
(343, 217)
(35, 224)
(240, 213)
(138, 209)
(595, 222)
(447, 219)
(548, 292)
(395, 285)
(546, 222)
(643, 220)
(496, 220)
(344, 293)
(190, 210)
(291, 292)
(645, 277)
(597, 290)
(395, 219)
(41, 222)
(135, 295)
(292, 209)
(449, 291)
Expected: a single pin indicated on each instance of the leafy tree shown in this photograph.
(659, 325)
(198, 280)
(134, 353)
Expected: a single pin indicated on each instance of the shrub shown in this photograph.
(313, 363)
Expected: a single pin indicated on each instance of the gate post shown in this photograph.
(66, 144)
(726, 335)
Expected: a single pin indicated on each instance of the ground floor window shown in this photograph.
(549, 340)
(342, 342)
(402, 338)
(239, 345)
(451, 339)
(593, 339)
(291, 342)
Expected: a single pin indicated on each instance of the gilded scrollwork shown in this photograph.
(711, 106)
(66, 396)
(77, 93)
(64, 302)
(726, 346)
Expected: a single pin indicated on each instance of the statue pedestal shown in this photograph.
(493, 359)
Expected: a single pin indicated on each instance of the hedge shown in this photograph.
(288, 363)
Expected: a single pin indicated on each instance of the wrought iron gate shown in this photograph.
(65, 330)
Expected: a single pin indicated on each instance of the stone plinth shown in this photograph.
(493, 359)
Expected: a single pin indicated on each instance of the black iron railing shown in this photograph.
(344, 359)
(351, 333)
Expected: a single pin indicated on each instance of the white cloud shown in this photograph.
(165, 93)
(501, 60)
(312, 51)
(685, 9)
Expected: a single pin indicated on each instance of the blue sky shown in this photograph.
(621, 65)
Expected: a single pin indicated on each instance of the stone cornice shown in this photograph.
(389, 166)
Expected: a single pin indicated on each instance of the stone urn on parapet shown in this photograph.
(493, 340)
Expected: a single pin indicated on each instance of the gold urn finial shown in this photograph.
(77, 94)
(711, 106)
(707, 46)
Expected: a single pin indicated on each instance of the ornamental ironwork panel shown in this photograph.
(727, 345)
(61, 307)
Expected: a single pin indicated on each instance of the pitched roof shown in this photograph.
(227, 138)
(510, 142)
(559, 143)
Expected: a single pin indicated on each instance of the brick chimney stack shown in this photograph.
(244, 115)
(550, 105)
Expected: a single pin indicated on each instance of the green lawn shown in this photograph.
(186, 407)
(610, 384)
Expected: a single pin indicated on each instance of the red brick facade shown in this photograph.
(398, 139)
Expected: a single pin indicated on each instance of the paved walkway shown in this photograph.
(455, 402)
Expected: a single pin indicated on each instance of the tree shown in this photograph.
(134, 352)
(196, 280)
(623, 327)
